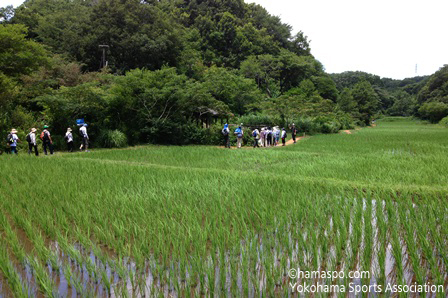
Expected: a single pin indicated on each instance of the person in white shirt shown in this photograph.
(283, 136)
(13, 141)
(85, 137)
(32, 142)
(69, 139)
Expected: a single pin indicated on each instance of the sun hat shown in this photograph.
(46, 126)
(33, 129)
(13, 130)
(85, 124)
(69, 129)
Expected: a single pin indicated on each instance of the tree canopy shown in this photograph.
(177, 67)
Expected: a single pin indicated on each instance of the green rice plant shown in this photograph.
(46, 284)
(304, 202)
(368, 239)
(18, 288)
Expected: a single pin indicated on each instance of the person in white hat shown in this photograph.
(69, 139)
(32, 142)
(12, 140)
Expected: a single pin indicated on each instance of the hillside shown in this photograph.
(176, 68)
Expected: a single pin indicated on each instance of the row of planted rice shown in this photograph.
(104, 225)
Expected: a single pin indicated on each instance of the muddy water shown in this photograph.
(147, 283)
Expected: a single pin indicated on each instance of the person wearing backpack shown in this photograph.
(239, 136)
(284, 136)
(32, 142)
(12, 141)
(256, 135)
(293, 132)
(85, 137)
(225, 132)
(45, 136)
(69, 139)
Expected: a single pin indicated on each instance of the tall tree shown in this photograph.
(367, 100)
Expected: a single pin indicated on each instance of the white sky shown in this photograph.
(383, 37)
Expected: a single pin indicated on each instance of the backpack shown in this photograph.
(225, 132)
(44, 136)
(286, 135)
(28, 138)
(254, 134)
(9, 139)
(239, 133)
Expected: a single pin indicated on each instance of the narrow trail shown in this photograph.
(289, 142)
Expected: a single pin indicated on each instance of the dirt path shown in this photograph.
(291, 142)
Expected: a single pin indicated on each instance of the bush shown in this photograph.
(433, 111)
(444, 121)
(259, 120)
(113, 139)
(324, 124)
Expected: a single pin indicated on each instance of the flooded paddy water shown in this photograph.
(261, 264)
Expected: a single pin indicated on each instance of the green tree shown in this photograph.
(326, 87)
(436, 89)
(300, 45)
(239, 93)
(6, 14)
(18, 55)
(346, 102)
(366, 99)
(403, 104)
(433, 111)
(265, 70)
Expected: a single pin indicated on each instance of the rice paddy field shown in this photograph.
(203, 221)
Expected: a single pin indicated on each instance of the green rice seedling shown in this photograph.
(368, 239)
(68, 273)
(152, 198)
(18, 288)
(46, 285)
(381, 245)
(13, 241)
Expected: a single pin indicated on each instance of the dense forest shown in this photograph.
(175, 70)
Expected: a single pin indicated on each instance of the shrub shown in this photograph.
(433, 111)
(113, 139)
(444, 121)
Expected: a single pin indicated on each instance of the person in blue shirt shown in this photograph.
(239, 135)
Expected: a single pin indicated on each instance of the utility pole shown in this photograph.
(103, 59)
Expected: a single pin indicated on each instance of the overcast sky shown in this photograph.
(383, 37)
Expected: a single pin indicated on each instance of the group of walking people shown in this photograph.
(265, 137)
(47, 142)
